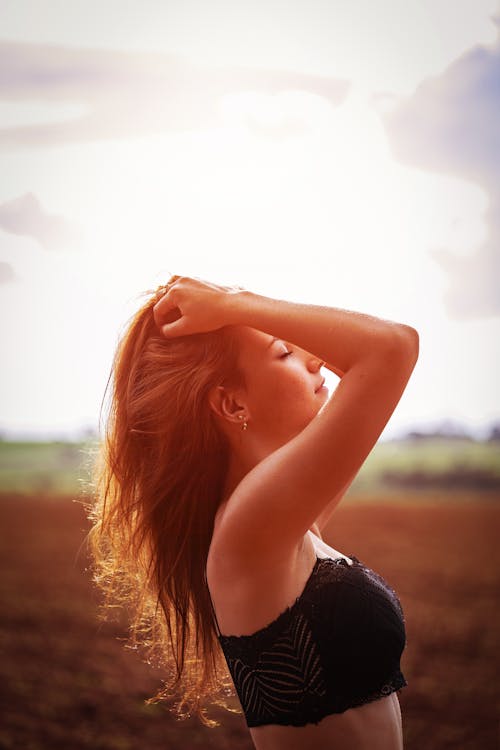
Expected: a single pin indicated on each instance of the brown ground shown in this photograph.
(68, 683)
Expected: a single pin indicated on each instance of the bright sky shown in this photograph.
(327, 151)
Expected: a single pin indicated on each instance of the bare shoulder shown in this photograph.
(249, 592)
(228, 562)
(232, 560)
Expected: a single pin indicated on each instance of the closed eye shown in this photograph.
(286, 354)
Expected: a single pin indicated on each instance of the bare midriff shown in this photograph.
(372, 726)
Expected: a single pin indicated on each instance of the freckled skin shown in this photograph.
(281, 383)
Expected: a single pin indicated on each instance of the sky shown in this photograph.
(337, 152)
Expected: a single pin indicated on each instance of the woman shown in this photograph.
(223, 462)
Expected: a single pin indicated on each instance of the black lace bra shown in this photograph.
(338, 646)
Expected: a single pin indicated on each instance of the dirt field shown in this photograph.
(68, 683)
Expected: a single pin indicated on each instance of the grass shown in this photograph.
(62, 468)
(446, 463)
(52, 468)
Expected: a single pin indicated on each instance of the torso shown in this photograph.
(373, 726)
(245, 604)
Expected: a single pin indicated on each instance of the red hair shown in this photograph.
(159, 479)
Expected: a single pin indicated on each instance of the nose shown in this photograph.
(314, 364)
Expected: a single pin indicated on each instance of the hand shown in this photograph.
(192, 305)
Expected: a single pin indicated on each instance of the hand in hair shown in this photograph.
(191, 305)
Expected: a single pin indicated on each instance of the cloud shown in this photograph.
(132, 94)
(25, 216)
(474, 291)
(451, 124)
(6, 273)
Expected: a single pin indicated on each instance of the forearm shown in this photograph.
(339, 337)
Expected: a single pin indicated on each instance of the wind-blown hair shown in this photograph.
(158, 482)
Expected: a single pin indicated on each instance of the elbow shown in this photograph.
(413, 341)
(407, 344)
(401, 346)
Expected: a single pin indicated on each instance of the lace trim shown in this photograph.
(313, 712)
(229, 642)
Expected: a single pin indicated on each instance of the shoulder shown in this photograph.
(225, 553)
(250, 566)
(250, 593)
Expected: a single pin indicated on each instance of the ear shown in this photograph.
(227, 403)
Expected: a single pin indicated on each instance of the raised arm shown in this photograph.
(279, 499)
(341, 338)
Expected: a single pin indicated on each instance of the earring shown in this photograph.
(244, 426)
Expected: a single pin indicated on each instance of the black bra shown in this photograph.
(336, 647)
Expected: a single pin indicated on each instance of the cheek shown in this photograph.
(284, 394)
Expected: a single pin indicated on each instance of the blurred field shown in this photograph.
(63, 468)
(67, 682)
(45, 468)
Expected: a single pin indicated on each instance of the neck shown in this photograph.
(244, 457)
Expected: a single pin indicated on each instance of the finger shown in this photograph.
(163, 308)
(177, 328)
(172, 280)
(163, 289)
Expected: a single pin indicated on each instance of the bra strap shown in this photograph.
(212, 605)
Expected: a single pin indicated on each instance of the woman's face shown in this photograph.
(284, 385)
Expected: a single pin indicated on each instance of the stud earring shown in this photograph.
(244, 426)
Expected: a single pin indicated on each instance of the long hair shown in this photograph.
(158, 481)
